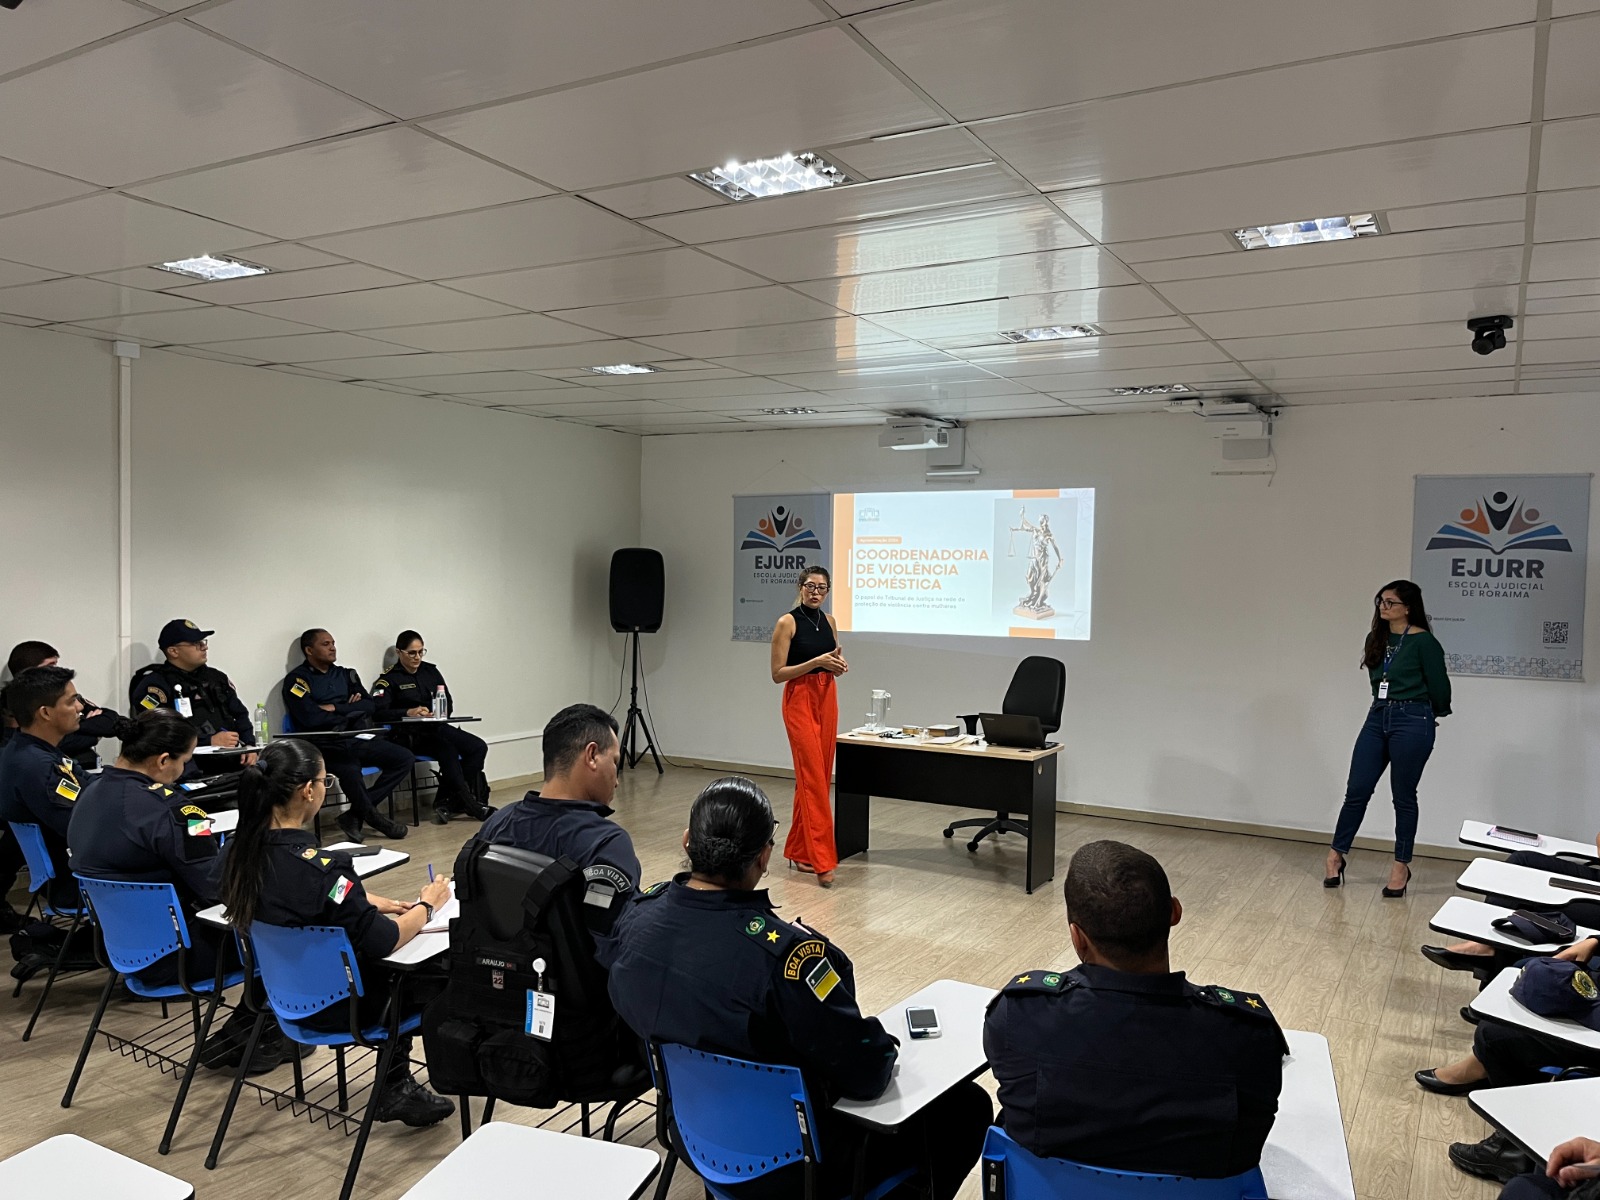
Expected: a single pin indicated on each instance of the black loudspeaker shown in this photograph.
(638, 589)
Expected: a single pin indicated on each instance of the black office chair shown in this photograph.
(1037, 690)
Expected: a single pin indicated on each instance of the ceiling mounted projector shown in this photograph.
(915, 433)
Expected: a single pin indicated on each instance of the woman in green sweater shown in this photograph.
(1410, 691)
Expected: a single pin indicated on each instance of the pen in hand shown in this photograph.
(430, 872)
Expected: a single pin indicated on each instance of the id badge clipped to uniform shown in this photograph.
(539, 1019)
(184, 706)
(1383, 689)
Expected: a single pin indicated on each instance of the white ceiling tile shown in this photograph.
(676, 193)
(1572, 84)
(1188, 245)
(980, 323)
(1171, 328)
(991, 408)
(374, 179)
(797, 93)
(25, 322)
(1461, 381)
(1462, 212)
(12, 274)
(1196, 375)
(980, 279)
(687, 394)
(413, 57)
(43, 30)
(481, 383)
(774, 339)
(1349, 341)
(289, 285)
(104, 232)
(494, 333)
(999, 393)
(305, 348)
(986, 57)
(608, 382)
(1561, 305)
(414, 365)
(1108, 357)
(877, 376)
(287, 256)
(28, 187)
(1565, 287)
(1437, 391)
(532, 397)
(1364, 313)
(1431, 273)
(605, 408)
(305, 372)
(1560, 325)
(1565, 260)
(920, 239)
(195, 325)
(1569, 154)
(689, 314)
(149, 279)
(211, 355)
(1378, 362)
(80, 299)
(565, 357)
(1580, 383)
(615, 280)
(1564, 350)
(1567, 216)
(1414, 92)
(854, 203)
(1567, 8)
(560, 229)
(409, 304)
(909, 153)
(896, 353)
(385, 386)
(1377, 178)
(165, 99)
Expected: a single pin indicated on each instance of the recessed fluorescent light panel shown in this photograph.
(624, 369)
(790, 412)
(1152, 389)
(772, 176)
(1049, 333)
(212, 267)
(1298, 233)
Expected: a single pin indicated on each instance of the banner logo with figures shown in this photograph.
(775, 538)
(1502, 562)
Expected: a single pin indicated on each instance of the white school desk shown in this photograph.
(366, 866)
(501, 1159)
(1495, 1001)
(1540, 1116)
(1493, 877)
(87, 1169)
(1306, 1157)
(1471, 919)
(435, 720)
(1476, 833)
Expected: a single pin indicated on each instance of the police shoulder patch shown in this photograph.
(380, 685)
(795, 960)
(1039, 981)
(654, 890)
(299, 688)
(308, 853)
(1245, 1002)
(193, 810)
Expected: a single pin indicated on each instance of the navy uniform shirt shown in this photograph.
(304, 688)
(1135, 1072)
(397, 690)
(718, 971)
(577, 829)
(127, 826)
(39, 785)
(305, 885)
(214, 703)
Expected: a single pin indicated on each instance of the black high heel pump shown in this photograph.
(1333, 881)
(1399, 892)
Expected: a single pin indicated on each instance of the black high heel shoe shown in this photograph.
(1333, 881)
(1399, 892)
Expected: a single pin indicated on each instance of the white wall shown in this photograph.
(1221, 681)
(265, 503)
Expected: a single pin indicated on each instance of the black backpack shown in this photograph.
(517, 907)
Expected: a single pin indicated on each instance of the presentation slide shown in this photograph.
(975, 564)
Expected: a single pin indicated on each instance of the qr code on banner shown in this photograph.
(1555, 633)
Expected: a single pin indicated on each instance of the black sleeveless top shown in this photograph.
(809, 639)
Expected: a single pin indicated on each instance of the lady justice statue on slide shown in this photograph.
(1041, 542)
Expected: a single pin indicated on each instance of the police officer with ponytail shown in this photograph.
(705, 961)
(274, 872)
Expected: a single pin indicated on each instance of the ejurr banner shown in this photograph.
(1502, 561)
(774, 539)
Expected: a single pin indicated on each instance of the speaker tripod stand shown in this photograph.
(636, 723)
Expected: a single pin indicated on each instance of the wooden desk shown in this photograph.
(992, 778)
(1540, 1116)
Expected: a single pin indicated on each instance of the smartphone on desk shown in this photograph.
(360, 851)
(1506, 833)
(1577, 885)
(922, 1022)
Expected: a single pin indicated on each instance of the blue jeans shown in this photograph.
(1398, 736)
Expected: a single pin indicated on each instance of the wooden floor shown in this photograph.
(917, 908)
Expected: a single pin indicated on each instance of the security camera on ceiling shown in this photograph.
(1489, 333)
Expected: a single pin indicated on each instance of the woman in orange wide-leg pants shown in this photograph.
(806, 660)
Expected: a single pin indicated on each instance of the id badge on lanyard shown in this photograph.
(1392, 654)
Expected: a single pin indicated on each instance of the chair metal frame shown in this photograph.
(41, 873)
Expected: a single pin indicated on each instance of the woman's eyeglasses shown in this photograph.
(1391, 603)
(813, 587)
(414, 653)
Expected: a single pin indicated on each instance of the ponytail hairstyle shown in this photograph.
(730, 824)
(156, 732)
(282, 769)
(1378, 636)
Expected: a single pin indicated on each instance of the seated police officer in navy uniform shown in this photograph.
(705, 961)
(570, 814)
(132, 824)
(407, 689)
(38, 784)
(274, 872)
(1121, 1062)
(318, 694)
(94, 724)
(199, 693)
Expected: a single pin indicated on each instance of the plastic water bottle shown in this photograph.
(263, 730)
(441, 703)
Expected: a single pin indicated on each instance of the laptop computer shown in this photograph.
(1013, 729)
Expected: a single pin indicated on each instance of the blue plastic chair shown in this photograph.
(1013, 1173)
(305, 971)
(137, 925)
(736, 1120)
(41, 873)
